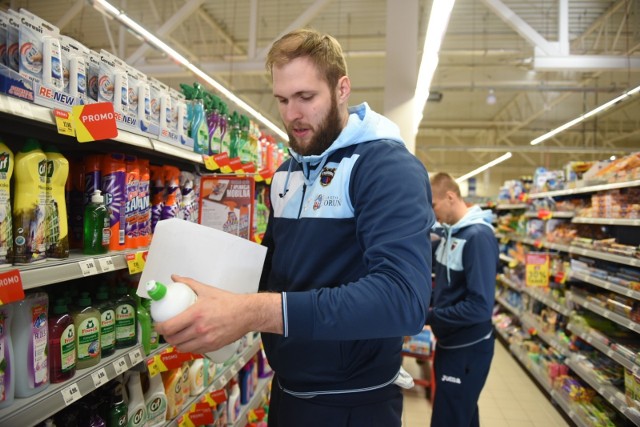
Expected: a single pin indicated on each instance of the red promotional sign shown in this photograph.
(94, 122)
(11, 287)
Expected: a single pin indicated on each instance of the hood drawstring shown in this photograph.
(447, 249)
(308, 180)
(285, 190)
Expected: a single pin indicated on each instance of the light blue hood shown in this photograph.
(363, 125)
(474, 215)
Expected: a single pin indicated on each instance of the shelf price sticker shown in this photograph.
(153, 366)
(64, 122)
(99, 377)
(106, 264)
(120, 365)
(136, 261)
(216, 397)
(71, 394)
(200, 414)
(537, 269)
(88, 267)
(135, 356)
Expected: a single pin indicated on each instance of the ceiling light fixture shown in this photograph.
(585, 116)
(491, 98)
(438, 22)
(483, 168)
(111, 11)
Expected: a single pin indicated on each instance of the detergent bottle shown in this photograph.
(56, 210)
(6, 232)
(114, 190)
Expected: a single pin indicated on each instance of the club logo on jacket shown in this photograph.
(317, 203)
(326, 176)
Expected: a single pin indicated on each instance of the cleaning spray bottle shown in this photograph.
(56, 210)
(144, 205)
(213, 121)
(30, 189)
(173, 196)
(114, 190)
(172, 299)
(157, 194)
(244, 148)
(225, 135)
(155, 400)
(118, 409)
(131, 201)
(137, 410)
(30, 335)
(62, 343)
(7, 375)
(6, 232)
(234, 123)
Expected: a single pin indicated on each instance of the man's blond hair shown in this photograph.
(443, 182)
(322, 49)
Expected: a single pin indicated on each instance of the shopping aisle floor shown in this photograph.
(509, 399)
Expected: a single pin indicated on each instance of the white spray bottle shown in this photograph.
(172, 299)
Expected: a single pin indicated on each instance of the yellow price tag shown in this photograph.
(184, 421)
(136, 262)
(209, 163)
(153, 366)
(64, 122)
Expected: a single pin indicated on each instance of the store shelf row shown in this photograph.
(221, 379)
(544, 298)
(75, 267)
(598, 342)
(607, 391)
(528, 321)
(607, 314)
(607, 221)
(551, 214)
(575, 275)
(510, 206)
(35, 409)
(511, 283)
(261, 391)
(508, 306)
(507, 258)
(574, 250)
(24, 109)
(585, 189)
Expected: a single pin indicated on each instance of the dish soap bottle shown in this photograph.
(62, 343)
(107, 322)
(7, 376)
(126, 333)
(172, 299)
(96, 226)
(87, 322)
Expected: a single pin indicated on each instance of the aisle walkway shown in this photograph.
(509, 399)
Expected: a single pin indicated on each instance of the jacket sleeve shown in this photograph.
(391, 198)
(479, 261)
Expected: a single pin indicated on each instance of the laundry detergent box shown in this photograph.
(40, 60)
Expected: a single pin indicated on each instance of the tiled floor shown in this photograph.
(509, 399)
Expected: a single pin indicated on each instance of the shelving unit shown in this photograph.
(32, 410)
(576, 301)
(261, 391)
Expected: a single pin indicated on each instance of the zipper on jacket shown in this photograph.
(304, 190)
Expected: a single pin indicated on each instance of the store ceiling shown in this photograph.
(481, 52)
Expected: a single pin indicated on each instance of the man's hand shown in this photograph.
(219, 317)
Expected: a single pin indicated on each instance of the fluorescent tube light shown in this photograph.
(483, 168)
(586, 115)
(109, 10)
(438, 22)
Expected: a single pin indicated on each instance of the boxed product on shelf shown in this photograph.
(632, 389)
(622, 169)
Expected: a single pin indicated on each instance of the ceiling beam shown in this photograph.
(70, 14)
(472, 148)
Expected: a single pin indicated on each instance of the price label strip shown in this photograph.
(106, 264)
(136, 262)
(88, 267)
(135, 356)
(120, 365)
(99, 377)
(64, 122)
(71, 394)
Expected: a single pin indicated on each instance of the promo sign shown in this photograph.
(227, 203)
(537, 269)
(94, 122)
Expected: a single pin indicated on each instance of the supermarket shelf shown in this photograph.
(598, 343)
(608, 391)
(606, 221)
(507, 258)
(511, 206)
(18, 107)
(527, 319)
(606, 285)
(556, 214)
(220, 380)
(35, 409)
(74, 267)
(513, 285)
(583, 190)
(508, 306)
(607, 314)
(261, 390)
(547, 300)
(562, 402)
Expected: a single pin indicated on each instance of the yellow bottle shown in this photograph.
(6, 231)
(30, 189)
(56, 211)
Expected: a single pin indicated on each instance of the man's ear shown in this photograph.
(344, 89)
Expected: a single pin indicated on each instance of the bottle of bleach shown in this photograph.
(172, 299)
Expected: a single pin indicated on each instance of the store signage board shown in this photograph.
(537, 269)
(94, 122)
(210, 256)
(11, 289)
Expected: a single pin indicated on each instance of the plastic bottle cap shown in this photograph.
(60, 306)
(84, 300)
(102, 294)
(156, 290)
(97, 197)
(30, 145)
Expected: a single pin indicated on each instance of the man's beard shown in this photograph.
(326, 133)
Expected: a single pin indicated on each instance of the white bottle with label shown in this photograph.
(172, 299)
(30, 336)
(137, 412)
(155, 400)
(7, 376)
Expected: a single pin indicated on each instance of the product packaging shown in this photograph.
(87, 322)
(6, 231)
(56, 209)
(7, 374)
